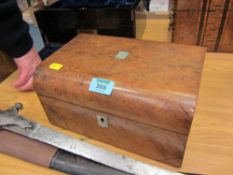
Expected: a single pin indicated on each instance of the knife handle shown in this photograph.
(77, 165)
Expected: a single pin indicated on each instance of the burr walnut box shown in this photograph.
(133, 94)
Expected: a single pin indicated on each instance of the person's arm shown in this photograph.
(15, 38)
(16, 41)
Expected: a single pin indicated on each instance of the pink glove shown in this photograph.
(27, 65)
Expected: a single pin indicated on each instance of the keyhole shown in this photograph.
(102, 121)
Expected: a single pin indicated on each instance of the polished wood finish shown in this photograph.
(187, 17)
(155, 91)
(226, 42)
(209, 149)
(162, 145)
(212, 24)
(7, 66)
(204, 22)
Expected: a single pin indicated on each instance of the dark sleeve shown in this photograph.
(15, 39)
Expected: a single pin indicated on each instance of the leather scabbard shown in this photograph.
(51, 157)
(26, 149)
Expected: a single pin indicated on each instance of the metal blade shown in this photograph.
(46, 135)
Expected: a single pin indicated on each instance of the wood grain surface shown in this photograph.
(212, 24)
(154, 95)
(156, 85)
(204, 22)
(187, 21)
(226, 42)
(210, 145)
(152, 142)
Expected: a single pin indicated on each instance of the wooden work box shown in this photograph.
(151, 106)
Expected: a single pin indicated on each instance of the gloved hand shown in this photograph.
(26, 65)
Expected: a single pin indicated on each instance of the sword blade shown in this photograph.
(10, 120)
(89, 151)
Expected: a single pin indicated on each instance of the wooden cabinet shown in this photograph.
(188, 14)
(204, 22)
(226, 41)
(63, 20)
